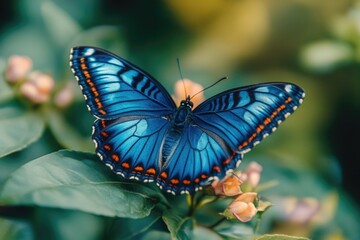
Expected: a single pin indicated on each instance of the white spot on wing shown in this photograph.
(238, 162)
(89, 51)
(273, 129)
(100, 156)
(265, 135)
(288, 88)
(286, 115)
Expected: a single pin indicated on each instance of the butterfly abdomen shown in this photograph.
(171, 140)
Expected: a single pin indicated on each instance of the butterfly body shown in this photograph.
(141, 134)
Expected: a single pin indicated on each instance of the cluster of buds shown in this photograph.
(241, 186)
(35, 86)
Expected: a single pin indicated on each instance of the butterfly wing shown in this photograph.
(198, 156)
(130, 146)
(130, 106)
(242, 117)
(114, 87)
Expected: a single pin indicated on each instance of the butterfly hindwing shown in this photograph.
(197, 158)
(114, 87)
(242, 117)
(130, 146)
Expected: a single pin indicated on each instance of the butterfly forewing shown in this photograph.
(242, 117)
(114, 87)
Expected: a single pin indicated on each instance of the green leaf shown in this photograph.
(19, 131)
(203, 233)
(105, 36)
(52, 223)
(124, 228)
(236, 231)
(78, 181)
(5, 90)
(179, 227)
(60, 24)
(66, 135)
(15, 230)
(279, 237)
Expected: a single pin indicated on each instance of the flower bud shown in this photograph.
(30, 92)
(17, 68)
(65, 96)
(43, 82)
(243, 207)
(191, 89)
(229, 186)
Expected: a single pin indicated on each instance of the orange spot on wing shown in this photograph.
(174, 181)
(288, 100)
(115, 158)
(151, 171)
(280, 108)
(164, 175)
(139, 168)
(244, 144)
(204, 176)
(216, 169)
(107, 147)
(103, 123)
(104, 134)
(89, 82)
(125, 165)
(252, 137)
(196, 180)
(260, 128)
(267, 121)
(186, 182)
(102, 111)
(83, 66)
(273, 114)
(227, 161)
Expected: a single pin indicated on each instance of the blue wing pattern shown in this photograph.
(197, 158)
(242, 117)
(131, 146)
(114, 87)
(140, 134)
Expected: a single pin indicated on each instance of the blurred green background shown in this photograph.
(314, 44)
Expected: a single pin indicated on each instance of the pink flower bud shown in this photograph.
(253, 173)
(191, 89)
(17, 68)
(43, 82)
(29, 91)
(229, 186)
(243, 207)
(65, 96)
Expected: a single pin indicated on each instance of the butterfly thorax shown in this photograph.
(178, 122)
(182, 113)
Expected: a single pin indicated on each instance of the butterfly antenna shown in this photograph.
(221, 79)
(182, 78)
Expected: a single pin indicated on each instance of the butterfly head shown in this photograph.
(187, 103)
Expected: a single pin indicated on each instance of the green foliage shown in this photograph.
(65, 180)
(68, 194)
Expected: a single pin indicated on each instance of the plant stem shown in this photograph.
(217, 223)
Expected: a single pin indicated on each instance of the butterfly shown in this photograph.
(141, 134)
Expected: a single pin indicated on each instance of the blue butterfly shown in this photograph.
(141, 134)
